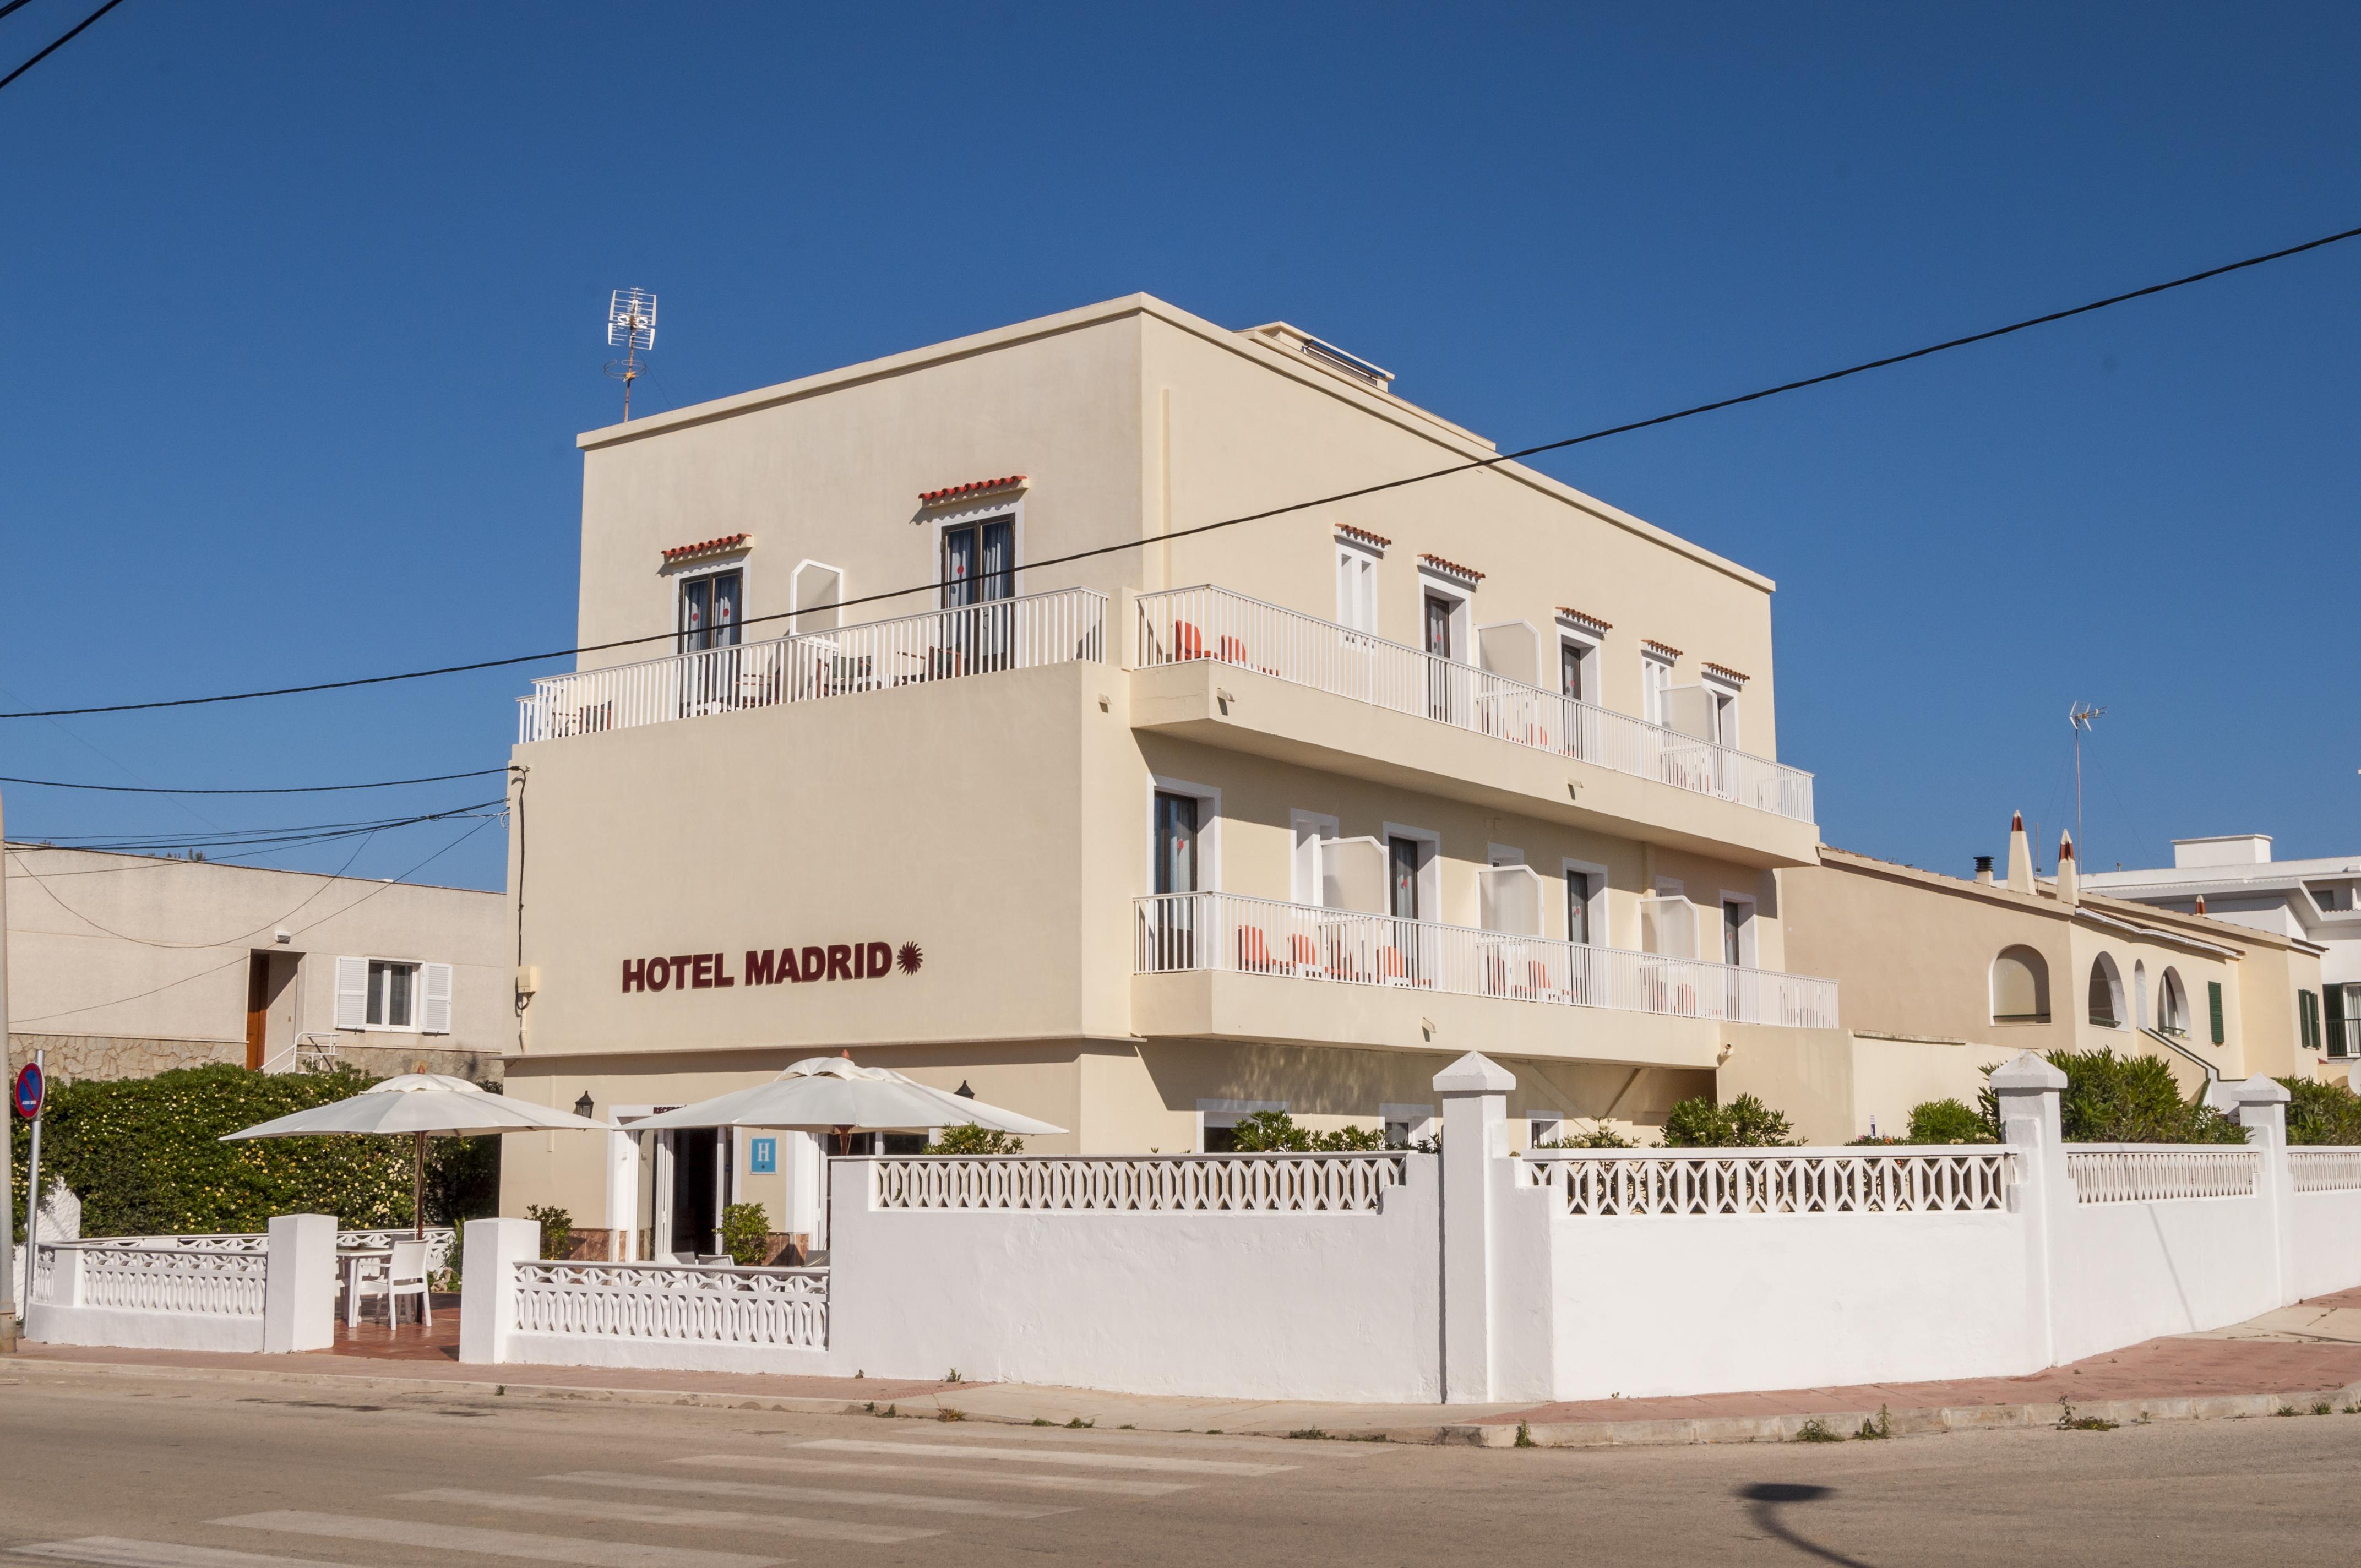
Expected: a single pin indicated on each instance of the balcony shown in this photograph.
(939, 645)
(1211, 627)
(1175, 933)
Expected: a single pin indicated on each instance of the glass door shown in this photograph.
(1174, 933)
(709, 632)
(1438, 666)
(979, 576)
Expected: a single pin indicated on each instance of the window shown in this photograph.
(979, 561)
(709, 610)
(1540, 1129)
(2106, 1009)
(1720, 710)
(2171, 1003)
(1356, 588)
(2020, 987)
(390, 987)
(2343, 1019)
(1218, 1121)
(1736, 932)
(1407, 1125)
(2307, 1014)
(2213, 1007)
(1656, 684)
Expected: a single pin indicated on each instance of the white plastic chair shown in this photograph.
(405, 1275)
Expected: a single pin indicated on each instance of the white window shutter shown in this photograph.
(352, 992)
(434, 1017)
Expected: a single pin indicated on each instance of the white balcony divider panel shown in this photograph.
(1238, 935)
(1325, 1183)
(2321, 1169)
(1784, 1181)
(2151, 1173)
(939, 645)
(701, 1303)
(1182, 625)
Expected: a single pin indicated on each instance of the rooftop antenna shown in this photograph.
(632, 327)
(2080, 717)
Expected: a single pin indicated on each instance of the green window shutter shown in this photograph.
(2213, 1004)
(2311, 1009)
(2333, 997)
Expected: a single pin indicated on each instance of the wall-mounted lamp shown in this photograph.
(582, 1107)
(963, 1091)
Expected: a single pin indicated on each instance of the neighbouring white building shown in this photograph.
(122, 966)
(2232, 877)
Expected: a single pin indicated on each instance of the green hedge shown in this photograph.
(142, 1154)
(2321, 1112)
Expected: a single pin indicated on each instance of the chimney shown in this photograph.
(2069, 885)
(1983, 870)
(2020, 856)
(2200, 904)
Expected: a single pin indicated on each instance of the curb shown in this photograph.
(1925, 1422)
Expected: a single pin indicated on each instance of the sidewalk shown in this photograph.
(2292, 1359)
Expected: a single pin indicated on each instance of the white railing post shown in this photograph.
(2031, 1123)
(1475, 1094)
(2261, 1108)
(65, 1277)
(299, 1287)
(487, 1285)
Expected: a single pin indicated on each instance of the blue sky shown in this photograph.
(306, 304)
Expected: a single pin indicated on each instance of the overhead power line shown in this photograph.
(257, 838)
(279, 789)
(61, 43)
(1472, 465)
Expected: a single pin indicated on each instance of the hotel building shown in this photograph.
(1130, 827)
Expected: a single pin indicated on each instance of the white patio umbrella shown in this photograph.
(422, 1104)
(832, 1095)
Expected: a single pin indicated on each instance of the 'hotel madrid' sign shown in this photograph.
(772, 966)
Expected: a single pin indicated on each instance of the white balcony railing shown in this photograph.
(939, 645)
(1187, 624)
(1180, 931)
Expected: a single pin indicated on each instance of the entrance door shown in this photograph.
(980, 571)
(1398, 960)
(258, 1008)
(1175, 931)
(1438, 668)
(696, 1172)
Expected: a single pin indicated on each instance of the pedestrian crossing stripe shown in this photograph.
(1080, 1458)
(658, 1514)
(582, 1554)
(797, 1465)
(910, 1501)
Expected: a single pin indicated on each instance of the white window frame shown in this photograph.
(1209, 831)
(1725, 694)
(965, 517)
(1656, 684)
(682, 575)
(1592, 658)
(1418, 1119)
(1594, 903)
(1357, 584)
(1229, 1113)
(1463, 612)
(1430, 868)
(417, 995)
(1304, 884)
(1749, 948)
(1543, 1125)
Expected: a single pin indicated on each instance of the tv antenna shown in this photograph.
(2080, 717)
(632, 327)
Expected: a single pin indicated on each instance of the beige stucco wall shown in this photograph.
(126, 965)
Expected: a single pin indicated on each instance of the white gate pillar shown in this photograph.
(2032, 1126)
(2260, 1104)
(1474, 1094)
(488, 1288)
(298, 1284)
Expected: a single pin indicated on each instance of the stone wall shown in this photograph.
(77, 1057)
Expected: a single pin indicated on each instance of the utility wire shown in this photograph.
(14, 6)
(282, 789)
(61, 43)
(1473, 464)
(247, 839)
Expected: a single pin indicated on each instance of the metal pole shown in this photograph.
(417, 1188)
(8, 1145)
(33, 1184)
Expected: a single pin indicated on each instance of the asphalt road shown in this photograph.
(143, 1471)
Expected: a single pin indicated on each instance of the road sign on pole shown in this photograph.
(29, 1091)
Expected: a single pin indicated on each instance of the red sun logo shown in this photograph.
(910, 957)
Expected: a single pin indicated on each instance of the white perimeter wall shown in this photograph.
(142, 1330)
(1269, 1305)
(1701, 1304)
(2125, 1272)
(2327, 1243)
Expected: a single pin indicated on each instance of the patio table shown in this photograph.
(349, 1260)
